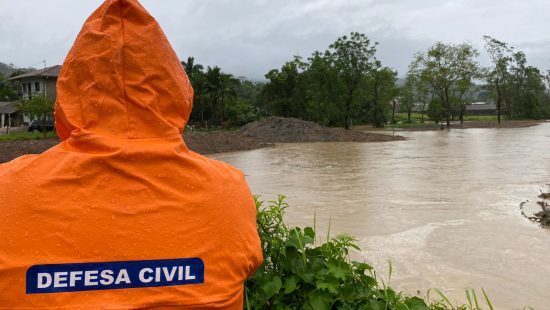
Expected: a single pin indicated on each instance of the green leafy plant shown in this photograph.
(299, 273)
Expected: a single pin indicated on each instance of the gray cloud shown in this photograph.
(249, 37)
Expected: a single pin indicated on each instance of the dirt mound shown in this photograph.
(221, 141)
(291, 130)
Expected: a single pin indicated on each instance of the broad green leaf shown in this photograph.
(271, 288)
(332, 287)
(376, 305)
(319, 300)
(338, 269)
(415, 303)
(308, 277)
(291, 284)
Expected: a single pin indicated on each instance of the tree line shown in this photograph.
(337, 87)
(221, 99)
(347, 84)
(444, 76)
(7, 89)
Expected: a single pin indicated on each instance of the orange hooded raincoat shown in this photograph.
(121, 215)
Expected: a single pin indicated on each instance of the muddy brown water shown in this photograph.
(442, 206)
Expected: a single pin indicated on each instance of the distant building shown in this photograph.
(419, 107)
(10, 115)
(38, 83)
(41, 82)
(481, 108)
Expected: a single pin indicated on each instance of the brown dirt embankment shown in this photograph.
(260, 134)
(474, 124)
(291, 130)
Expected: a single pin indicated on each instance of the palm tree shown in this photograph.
(227, 89)
(198, 80)
(200, 85)
(213, 86)
(190, 66)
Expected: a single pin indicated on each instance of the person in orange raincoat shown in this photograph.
(121, 214)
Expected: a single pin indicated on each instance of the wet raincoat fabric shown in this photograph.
(122, 188)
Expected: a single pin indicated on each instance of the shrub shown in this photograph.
(298, 273)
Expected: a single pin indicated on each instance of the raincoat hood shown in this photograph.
(122, 78)
(121, 214)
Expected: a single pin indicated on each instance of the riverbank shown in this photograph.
(260, 134)
(201, 142)
(431, 126)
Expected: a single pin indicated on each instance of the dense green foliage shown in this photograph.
(343, 84)
(40, 108)
(7, 91)
(300, 273)
(448, 71)
(346, 84)
(519, 89)
(220, 98)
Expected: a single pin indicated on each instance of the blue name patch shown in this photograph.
(43, 279)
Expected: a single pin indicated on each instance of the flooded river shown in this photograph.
(442, 206)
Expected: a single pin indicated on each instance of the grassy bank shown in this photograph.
(402, 120)
(300, 272)
(24, 135)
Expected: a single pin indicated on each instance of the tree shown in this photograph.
(190, 66)
(496, 75)
(435, 109)
(442, 67)
(352, 58)
(220, 98)
(250, 92)
(321, 91)
(281, 90)
(39, 107)
(515, 80)
(381, 91)
(532, 94)
(7, 93)
(227, 89)
(461, 96)
(198, 81)
(414, 92)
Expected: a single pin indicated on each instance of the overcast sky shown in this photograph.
(250, 37)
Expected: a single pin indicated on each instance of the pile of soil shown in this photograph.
(255, 135)
(291, 130)
(221, 142)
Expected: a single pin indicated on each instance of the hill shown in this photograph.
(6, 70)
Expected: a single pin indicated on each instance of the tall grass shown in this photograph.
(24, 135)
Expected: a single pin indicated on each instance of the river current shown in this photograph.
(442, 206)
